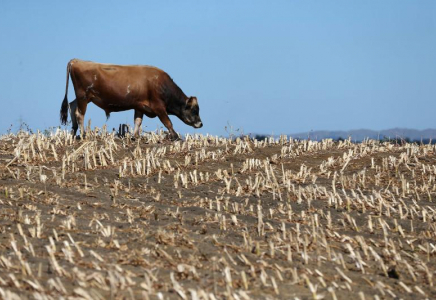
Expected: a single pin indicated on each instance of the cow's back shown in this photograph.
(122, 87)
(132, 72)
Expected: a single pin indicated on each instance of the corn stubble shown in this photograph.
(214, 218)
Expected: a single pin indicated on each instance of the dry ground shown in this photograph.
(214, 218)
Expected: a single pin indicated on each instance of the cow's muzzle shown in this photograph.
(198, 125)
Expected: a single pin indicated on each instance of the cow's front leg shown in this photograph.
(138, 122)
(163, 117)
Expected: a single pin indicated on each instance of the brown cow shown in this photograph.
(147, 90)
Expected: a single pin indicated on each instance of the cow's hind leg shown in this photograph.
(138, 122)
(75, 125)
(80, 115)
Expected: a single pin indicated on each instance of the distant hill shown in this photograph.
(361, 134)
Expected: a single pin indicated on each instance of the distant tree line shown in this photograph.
(396, 141)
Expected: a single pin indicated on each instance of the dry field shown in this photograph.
(215, 218)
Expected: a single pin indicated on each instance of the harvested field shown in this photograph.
(215, 218)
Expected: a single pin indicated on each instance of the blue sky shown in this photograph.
(260, 66)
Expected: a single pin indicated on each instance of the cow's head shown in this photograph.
(191, 113)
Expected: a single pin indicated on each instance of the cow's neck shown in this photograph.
(175, 99)
(176, 107)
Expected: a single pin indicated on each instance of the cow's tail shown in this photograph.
(64, 107)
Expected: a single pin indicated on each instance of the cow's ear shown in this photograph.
(192, 101)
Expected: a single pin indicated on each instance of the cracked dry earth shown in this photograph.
(215, 218)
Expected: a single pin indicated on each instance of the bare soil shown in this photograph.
(215, 218)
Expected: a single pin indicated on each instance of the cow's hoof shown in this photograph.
(174, 138)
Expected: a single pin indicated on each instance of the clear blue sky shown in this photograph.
(260, 66)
